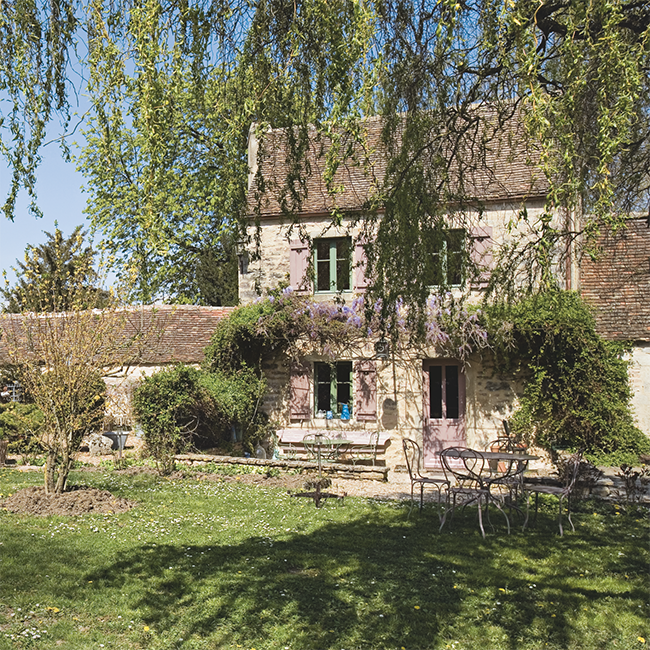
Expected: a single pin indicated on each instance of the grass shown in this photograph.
(204, 565)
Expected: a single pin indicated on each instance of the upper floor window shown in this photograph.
(333, 387)
(333, 264)
(446, 261)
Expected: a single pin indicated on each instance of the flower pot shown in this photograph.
(118, 438)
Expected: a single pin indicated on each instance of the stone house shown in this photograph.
(438, 401)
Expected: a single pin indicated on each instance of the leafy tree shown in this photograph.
(49, 278)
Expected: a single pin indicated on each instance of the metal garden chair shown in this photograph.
(413, 455)
(562, 492)
(467, 467)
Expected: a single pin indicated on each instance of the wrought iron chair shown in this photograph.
(467, 467)
(562, 492)
(413, 455)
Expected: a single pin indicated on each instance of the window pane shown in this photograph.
(323, 386)
(322, 265)
(323, 249)
(323, 276)
(435, 392)
(455, 244)
(343, 383)
(452, 396)
(343, 274)
(436, 261)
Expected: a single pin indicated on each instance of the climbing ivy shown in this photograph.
(577, 391)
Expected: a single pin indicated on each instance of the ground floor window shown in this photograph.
(333, 387)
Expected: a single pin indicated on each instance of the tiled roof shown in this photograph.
(505, 173)
(182, 331)
(617, 284)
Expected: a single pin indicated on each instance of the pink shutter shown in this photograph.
(365, 396)
(299, 404)
(360, 261)
(299, 266)
(481, 255)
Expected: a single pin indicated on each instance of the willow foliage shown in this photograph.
(175, 87)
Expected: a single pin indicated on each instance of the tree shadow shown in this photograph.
(380, 580)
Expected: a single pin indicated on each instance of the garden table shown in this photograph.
(324, 448)
(479, 473)
(316, 443)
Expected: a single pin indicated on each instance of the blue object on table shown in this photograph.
(345, 412)
(329, 415)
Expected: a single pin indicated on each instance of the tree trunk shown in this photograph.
(50, 467)
(64, 469)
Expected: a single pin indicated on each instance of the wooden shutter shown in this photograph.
(299, 403)
(298, 266)
(365, 395)
(360, 282)
(481, 255)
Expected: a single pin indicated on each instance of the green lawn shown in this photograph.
(220, 565)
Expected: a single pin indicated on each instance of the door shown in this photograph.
(444, 408)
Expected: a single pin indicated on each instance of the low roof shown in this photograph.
(617, 284)
(507, 171)
(184, 331)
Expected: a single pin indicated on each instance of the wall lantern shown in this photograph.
(382, 349)
(242, 256)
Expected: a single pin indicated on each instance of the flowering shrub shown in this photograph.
(293, 323)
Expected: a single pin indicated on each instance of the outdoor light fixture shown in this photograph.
(382, 348)
(242, 256)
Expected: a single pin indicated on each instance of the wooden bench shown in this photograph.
(364, 445)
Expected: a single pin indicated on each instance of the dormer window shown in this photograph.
(333, 264)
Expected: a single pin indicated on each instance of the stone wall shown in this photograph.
(489, 400)
(270, 263)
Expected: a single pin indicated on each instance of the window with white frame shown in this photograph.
(332, 387)
(333, 264)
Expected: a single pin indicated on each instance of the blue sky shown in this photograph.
(60, 198)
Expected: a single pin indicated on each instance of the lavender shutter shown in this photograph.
(481, 255)
(365, 396)
(299, 404)
(360, 282)
(298, 266)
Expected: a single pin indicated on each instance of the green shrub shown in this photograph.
(577, 392)
(165, 406)
(235, 399)
(20, 424)
(182, 407)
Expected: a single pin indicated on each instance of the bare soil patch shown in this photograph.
(78, 501)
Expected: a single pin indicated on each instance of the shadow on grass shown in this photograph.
(384, 581)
